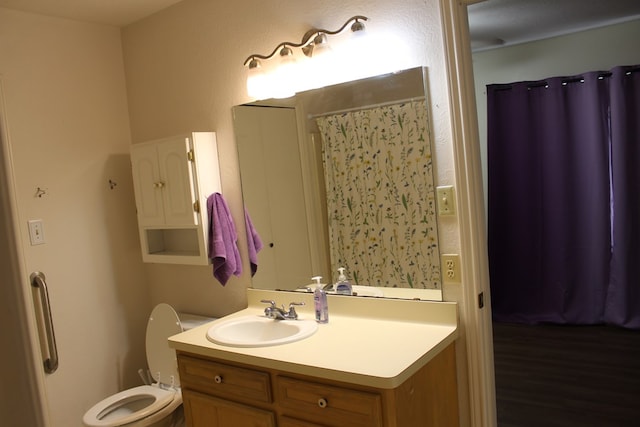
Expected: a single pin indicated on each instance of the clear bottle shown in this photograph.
(343, 287)
(320, 302)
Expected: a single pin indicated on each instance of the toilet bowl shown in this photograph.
(159, 404)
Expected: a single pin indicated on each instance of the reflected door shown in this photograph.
(272, 188)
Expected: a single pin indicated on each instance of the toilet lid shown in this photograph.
(163, 323)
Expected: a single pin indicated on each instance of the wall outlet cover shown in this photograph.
(451, 268)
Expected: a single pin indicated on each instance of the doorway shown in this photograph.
(561, 375)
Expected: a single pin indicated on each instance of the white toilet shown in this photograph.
(155, 405)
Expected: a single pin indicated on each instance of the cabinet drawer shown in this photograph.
(224, 380)
(328, 405)
(206, 411)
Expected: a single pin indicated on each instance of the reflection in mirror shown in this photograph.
(342, 176)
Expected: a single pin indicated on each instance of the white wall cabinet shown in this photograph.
(172, 179)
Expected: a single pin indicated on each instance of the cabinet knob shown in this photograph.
(322, 402)
(217, 379)
(158, 184)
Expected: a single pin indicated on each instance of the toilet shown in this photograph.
(160, 404)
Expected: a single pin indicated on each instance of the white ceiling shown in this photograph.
(492, 23)
(110, 12)
(495, 23)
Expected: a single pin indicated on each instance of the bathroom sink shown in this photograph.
(259, 331)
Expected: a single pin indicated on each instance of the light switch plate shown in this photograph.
(446, 200)
(36, 232)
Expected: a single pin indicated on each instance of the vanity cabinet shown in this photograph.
(172, 178)
(215, 390)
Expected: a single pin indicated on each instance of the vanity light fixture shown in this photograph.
(281, 82)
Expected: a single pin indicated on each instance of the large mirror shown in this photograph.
(343, 176)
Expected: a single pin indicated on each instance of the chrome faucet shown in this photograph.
(278, 313)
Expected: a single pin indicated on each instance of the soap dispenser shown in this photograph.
(343, 287)
(320, 302)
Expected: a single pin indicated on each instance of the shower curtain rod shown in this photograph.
(366, 107)
(578, 79)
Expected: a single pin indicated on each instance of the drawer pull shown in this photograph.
(217, 379)
(322, 402)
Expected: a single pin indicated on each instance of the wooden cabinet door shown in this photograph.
(178, 191)
(147, 185)
(291, 422)
(207, 411)
(163, 180)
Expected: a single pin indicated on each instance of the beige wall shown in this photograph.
(68, 128)
(184, 69)
(67, 111)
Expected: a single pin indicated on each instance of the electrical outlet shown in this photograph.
(446, 200)
(36, 232)
(451, 268)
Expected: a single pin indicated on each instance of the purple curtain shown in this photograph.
(550, 231)
(623, 297)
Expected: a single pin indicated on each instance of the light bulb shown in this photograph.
(256, 80)
(320, 65)
(284, 77)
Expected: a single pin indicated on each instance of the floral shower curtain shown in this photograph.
(564, 199)
(380, 195)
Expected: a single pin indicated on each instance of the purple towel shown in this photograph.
(253, 242)
(223, 240)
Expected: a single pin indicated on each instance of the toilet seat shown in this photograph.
(131, 405)
(143, 405)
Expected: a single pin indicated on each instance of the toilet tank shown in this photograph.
(190, 321)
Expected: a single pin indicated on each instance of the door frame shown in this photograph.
(475, 307)
(27, 402)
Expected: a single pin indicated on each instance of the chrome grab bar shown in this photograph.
(38, 281)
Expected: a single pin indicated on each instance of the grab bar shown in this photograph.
(38, 281)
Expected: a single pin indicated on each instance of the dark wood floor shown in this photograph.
(565, 376)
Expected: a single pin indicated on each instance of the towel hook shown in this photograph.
(40, 192)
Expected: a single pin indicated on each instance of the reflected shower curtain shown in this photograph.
(380, 195)
(558, 215)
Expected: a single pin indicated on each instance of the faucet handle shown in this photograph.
(270, 311)
(292, 310)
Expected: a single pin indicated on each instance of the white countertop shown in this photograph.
(375, 342)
